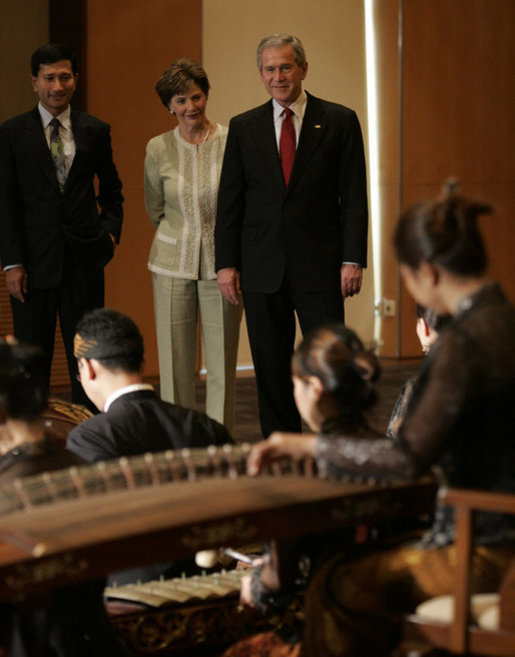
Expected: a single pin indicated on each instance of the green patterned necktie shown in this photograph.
(57, 152)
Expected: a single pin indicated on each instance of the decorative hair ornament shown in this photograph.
(101, 349)
(83, 348)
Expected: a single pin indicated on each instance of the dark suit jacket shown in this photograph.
(37, 222)
(140, 422)
(307, 229)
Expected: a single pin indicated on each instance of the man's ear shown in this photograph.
(87, 369)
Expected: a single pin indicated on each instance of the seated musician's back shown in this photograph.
(109, 349)
(110, 354)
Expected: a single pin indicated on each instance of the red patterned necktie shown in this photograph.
(287, 143)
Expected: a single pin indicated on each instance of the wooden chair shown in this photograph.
(465, 624)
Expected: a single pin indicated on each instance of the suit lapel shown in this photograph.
(264, 134)
(313, 127)
(37, 140)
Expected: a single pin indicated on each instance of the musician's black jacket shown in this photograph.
(140, 422)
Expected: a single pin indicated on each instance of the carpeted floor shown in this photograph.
(246, 429)
(393, 376)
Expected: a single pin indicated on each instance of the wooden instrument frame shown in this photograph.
(80, 539)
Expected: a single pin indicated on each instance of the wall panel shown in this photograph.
(456, 118)
(386, 16)
(130, 43)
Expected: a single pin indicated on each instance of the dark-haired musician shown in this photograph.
(70, 621)
(461, 421)
(109, 352)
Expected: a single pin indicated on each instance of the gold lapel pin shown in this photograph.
(317, 125)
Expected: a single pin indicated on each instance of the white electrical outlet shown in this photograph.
(384, 307)
(389, 307)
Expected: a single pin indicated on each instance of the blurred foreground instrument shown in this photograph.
(93, 520)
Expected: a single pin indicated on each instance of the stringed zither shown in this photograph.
(85, 522)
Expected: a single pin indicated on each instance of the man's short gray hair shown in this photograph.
(279, 41)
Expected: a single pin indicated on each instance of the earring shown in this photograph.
(172, 112)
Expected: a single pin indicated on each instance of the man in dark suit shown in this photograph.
(109, 351)
(54, 242)
(292, 220)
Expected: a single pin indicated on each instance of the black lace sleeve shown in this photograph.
(438, 400)
(363, 458)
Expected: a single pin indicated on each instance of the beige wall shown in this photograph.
(333, 36)
(456, 114)
(128, 45)
(127, 50)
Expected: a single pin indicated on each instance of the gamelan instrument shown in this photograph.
(81, 523)
(177, 615)
(180, 590)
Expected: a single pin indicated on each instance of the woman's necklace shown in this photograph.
(207, 133)
(204, 138)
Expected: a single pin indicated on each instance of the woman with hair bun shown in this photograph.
(460, 422)
(333, 378)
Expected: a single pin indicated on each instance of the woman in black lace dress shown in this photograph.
(461, 422)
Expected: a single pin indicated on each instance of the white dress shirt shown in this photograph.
(125, 391)
(65, 130)
(298, 108)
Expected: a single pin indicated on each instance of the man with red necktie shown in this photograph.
(292, 220)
